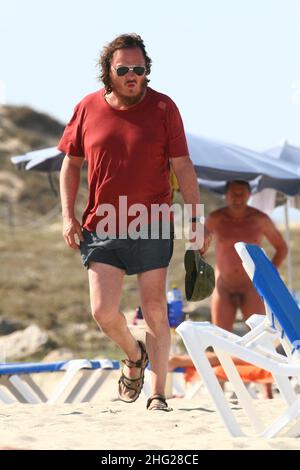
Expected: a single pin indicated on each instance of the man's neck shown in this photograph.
(121, 102)
(238, 212)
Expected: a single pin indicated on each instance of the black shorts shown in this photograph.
(132, 256)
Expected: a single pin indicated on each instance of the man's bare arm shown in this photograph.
(69, 184)
(187, 180)
(188, 184)
(211, 221)
(276, 240)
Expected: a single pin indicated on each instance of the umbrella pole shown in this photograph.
(288, 241)
(51, 182)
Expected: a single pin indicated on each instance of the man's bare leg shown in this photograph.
(105, 283)
(223, 310)
(178, 360)
(154, 306)
(251, 303)
(183, 360)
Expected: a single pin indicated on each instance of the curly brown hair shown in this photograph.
(124, 41)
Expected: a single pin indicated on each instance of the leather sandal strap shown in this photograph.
(156, 397)
(132, 364)
(139, 362)
(123, 377)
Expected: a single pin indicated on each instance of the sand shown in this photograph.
(106, 424)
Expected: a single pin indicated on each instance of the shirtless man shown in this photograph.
(238, 222)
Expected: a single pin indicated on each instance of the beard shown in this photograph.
(128, 100)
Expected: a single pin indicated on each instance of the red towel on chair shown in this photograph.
(248, 373)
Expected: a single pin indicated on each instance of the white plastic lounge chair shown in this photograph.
(80, 381)
(282, 321)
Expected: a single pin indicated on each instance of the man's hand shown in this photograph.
(206, 242)
(201, 238)
(71, 228)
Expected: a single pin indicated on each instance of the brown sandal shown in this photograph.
(158, 403)
(130, 389)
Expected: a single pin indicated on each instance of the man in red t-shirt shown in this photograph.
(128, 134)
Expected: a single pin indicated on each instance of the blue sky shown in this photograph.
(232, 66)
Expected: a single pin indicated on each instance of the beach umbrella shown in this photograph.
(216, 162)
(47, 160)
(287, 153)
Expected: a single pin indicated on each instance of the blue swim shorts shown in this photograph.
(132, 256)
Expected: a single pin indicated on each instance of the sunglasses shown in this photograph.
(137, 69)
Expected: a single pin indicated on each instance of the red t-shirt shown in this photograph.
(127, 151)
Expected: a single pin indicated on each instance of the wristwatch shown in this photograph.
(199, 219)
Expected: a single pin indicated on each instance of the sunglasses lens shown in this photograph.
(121, 71)
(139, 70)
